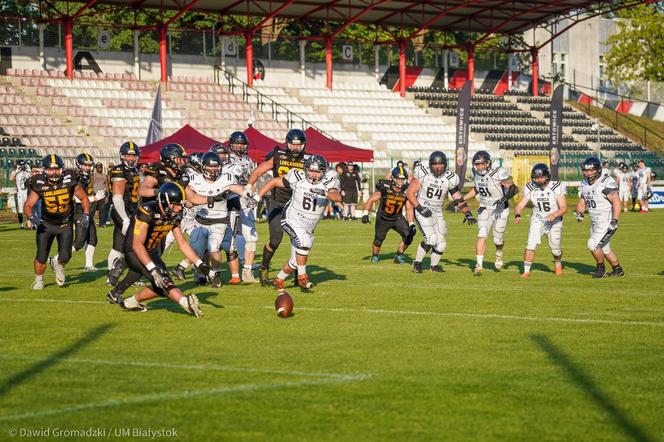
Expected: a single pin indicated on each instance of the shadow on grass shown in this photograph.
(537, 266)
(581, 268)
(7, 289)
(584, 382)
(384, 257)
(320, 274)
(23, 376)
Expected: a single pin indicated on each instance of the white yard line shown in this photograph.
(174, 396)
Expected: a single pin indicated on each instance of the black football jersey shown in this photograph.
(392, 202)
(283, 162)
(158, 172)
(85, 181)
(133, 181)
(158, 226)
(350, 181)
(58, 198)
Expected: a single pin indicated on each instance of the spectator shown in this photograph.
(350, 188)
(20, 176)
(98, 184)
(106, 210)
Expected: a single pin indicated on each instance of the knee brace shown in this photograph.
(302, 251)
(440, 247)
(231, 255)
(498, 240)
(408, 240)
(377, 242)
(426, 247)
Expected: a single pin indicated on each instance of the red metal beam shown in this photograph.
(163, 60)
(272, 14)
(181, 11)
(402, 67)
(358, 16)
(534, 53)
(328, 62)
(249, 55)
(470, 69)
(69, 47)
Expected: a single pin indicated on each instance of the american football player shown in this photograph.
(495, 188)
(549, 200)
(599, 194)
(426, 192)
(392, 196)
(20, 177)
(645, 190)
(56, 188)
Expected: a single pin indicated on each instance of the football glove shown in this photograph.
(613, 226)
(100, 195)
(501, 202)
(85, 221)
(424, 211)
(579, 216)
(480, 210)
(125, 226)
(203, 269)
(469, 218)
(159, 278)
(365, 219)
(320, 192)
(35, 220)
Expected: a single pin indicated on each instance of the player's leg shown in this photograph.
(276, 234)
(611, 256)
(234, 232)
(198, 240)
(380, 232)
(597, 231)
(20, 202)
(250, 235)
(484, 223)
(80, 234)
(441, 244)
(44, 239)
(90, 247)
(65, 238)
(555, 236)
(428, 229)
(287, 270)
(403, 229)
(535, 232)
(116, 265)
(305, 241)
(641, 197)
(499, 226)
(215, 238)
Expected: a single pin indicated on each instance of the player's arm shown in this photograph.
(138, 244)
(411, 192)
(519, 208)
(274, 182)
(468, 196)
(614, 199)
(148, 187)
(510, 188)
(410, 216)
(117, 190)
(258, 172)
(562, 208)
(333, 195)
(186, 249)
(83, 196)
(33, 198)
(580, 208)
(12, 176)
(195, 198)
(368, 206)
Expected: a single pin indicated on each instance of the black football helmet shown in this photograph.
(314, 168)
(22, 165)
(591, 168)
(53, 165)
(171, 195)
(174, 156)
(238, 143)
(438, 159)
(211, 164)
(223, 152)
(399, 177)
(296, 142)
(540, 170)
(482, 157)
(130, 148)
(84, 163)
(196, 161)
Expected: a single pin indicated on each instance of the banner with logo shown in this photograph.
(657, 200)
(556, 130)
(462, 131)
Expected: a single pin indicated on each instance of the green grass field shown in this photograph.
(375, 352)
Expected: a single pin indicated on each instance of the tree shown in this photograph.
(637, 49)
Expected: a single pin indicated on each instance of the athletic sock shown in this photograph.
(558, 263)
(112, 256)
(235, 275)
(39, 277)
(89, 255)
(499, 251)
(480, 260)
(435, 258)
(267, 257)
(247, 266)
(131, 302)
(184, 264)
(184, 303)
(421, 253)
(526, 266)
(282, 275)
(301, 270)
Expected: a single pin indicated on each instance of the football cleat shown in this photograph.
(398, 259)
(234, 281)
(478, 270)
(374, 259)
(559, 271)
(178, 272)
(248, 276)
(114, 273)
(264, 276)
(201, 280)
(417, 267)
(617, 272)
(58, 270)
(278, 283)
(215, 281)
(437, 268)
(139, 308)
(38, 284)
(600, 271)
(90, 269)
(525, 275)
(115, 298)
(193, 307)
(303, 282)
(499, 262)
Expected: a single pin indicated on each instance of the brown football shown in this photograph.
(283, 305)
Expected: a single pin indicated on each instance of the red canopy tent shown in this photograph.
(335, 151)
(259, 144)
(188, 137)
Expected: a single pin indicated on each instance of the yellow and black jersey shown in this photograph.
(159, 172)
(283, 161)
(58, 198)
(158, 226)
(392, 201)
(132, 183)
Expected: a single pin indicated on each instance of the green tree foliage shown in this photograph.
(637, 50)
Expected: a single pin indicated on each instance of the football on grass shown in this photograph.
(283, 305)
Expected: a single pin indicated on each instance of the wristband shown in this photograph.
(198, 263)
(150, 266)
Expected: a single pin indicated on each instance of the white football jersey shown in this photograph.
(241, 167)
(307, 204)
(644, 174)
(545, 200)
(595, 194)
(623, 179)
(22, 178)
(433, 190)
(489, 189)
(205, 188)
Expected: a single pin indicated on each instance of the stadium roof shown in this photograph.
(486, 16)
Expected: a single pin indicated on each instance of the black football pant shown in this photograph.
(399, 225)
(137, 270)
(84, 236)
(118, 237)
(46, 233)
(275, 212)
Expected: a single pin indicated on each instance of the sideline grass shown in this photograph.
(375, 352)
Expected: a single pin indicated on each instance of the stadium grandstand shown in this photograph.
(61, 98)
